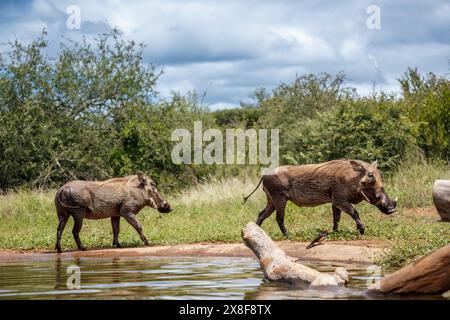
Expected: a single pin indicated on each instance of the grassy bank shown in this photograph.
(214, 212)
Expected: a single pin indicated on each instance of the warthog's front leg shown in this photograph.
(336, 217)
(280, 207)
(348, 208)
(359, 224)
(115, 223)
(131, 219)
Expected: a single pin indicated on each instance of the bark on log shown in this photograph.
(431, 274)
(441, 198)
(278, 266)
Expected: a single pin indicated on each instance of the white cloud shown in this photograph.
(352, 48)
(301, 46)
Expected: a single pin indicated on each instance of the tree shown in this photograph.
(58, 113)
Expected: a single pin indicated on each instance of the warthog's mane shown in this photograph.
(116, 180)
(336, 164)
(124, 183)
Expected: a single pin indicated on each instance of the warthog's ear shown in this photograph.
(375, 164)
(141, 177)
(357, 166)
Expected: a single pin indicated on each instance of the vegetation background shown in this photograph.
(93, 112)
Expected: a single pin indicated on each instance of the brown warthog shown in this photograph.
(339, 182)
(114, 198)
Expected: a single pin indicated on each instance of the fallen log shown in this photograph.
(278, 266)
(429, 275)
(441, 198)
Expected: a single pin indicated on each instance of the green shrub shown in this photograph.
(58, 113)
(305, 98)
(427, 100)
(88, 113)
(366, 129)
(92, 112)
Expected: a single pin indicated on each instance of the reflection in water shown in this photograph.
(58, 281)
(162, 278)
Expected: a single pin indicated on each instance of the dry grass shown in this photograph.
(219, 190)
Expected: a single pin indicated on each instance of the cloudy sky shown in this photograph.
(229, 48)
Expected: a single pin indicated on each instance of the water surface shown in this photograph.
(163, 278)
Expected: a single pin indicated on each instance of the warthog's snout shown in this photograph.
(388, 206)
(394, 206)
(165, 207)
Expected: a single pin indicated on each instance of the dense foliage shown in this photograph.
(366, 129)
(60, 115)
(92, 112)
(427, 101)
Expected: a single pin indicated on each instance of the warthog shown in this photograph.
(340, 182)
(114, 198)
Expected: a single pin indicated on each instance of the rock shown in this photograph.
(278, 266)
(441, 198)
(429, 275)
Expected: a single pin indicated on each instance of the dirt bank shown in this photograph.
(355, 252)
(429, 212)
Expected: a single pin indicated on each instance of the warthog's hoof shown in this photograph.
(82, 248)
(58, 249)
(361, 229)
(117, 245)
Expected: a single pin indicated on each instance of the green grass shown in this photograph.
(213, 212)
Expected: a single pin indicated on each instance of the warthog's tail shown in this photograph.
(62, 203)
(245, 198)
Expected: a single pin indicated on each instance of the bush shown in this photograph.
(58, 114)
(91, 112)
(244, 117)
(427, 100)
(143, 140)
(366, 129)
(305, 98)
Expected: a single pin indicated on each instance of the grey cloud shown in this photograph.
(229, 48)
(96, 27)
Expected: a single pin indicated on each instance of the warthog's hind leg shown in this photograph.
(78, 223)
(131, 219)
(63, 218)
(266, 212)
(280, 207)
(115, 222)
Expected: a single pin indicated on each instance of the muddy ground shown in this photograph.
(354, 252)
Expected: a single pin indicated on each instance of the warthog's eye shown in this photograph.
(370, 177)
